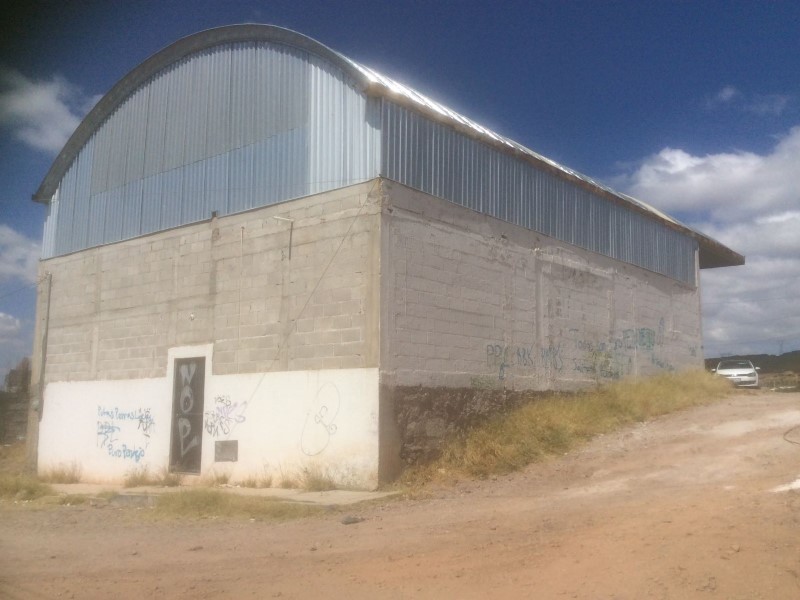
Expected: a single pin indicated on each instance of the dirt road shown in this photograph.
(683, 507)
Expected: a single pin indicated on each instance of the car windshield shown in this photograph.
(735, 364)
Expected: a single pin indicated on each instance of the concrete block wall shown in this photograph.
(340, 324)
(270, 294)
(471, 301)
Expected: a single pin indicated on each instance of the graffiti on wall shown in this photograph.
(106, 433)
(505, 358)
(225, 416)
(614, 358)
(551, 357)
(320, 422)
(124, 434)
(188, 394)
(602, 363)
(607, 359)
(146, 422)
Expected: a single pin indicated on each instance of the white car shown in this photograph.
(740, 373)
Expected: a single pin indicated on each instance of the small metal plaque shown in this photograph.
(226, 451)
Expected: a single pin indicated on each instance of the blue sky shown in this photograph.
(693, 107)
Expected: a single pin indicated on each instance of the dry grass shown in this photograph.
(140, 477)
(544, 427)
(204, 503)
(13, 458)
(15, 481)
(288, 481)
(63, 473)
(23, 487)
(312, 478)
(73, 500)
(316, 479)
(787, 381)
(217, 479)
(555, 424)
(254, 481)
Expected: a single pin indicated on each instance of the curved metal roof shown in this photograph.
(712, 253)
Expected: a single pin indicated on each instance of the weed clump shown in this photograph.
(23, 487)
(15, 482)
(63, 473)
(312, 478)
(316, 479)
(288, 481)
(142, 476)
(218, 479)
(554, 424)
(252, 481)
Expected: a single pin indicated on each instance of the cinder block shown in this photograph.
(304, 325)
(350, 335)
(446, 282)
(324, 350)
(306, 364)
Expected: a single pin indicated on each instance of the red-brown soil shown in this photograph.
(682, 507)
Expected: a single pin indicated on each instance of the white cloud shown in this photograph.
(726, 94)
(730, 186)
(751, 203)
(19, 256)
(9, 327)
(770, 105)
(42, 114)
(753, 308)
(762, 105)
(775, 235)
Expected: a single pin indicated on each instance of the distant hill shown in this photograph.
(769, 363)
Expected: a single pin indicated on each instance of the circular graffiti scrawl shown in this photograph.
(320, 422)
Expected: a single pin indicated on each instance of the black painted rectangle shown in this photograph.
(226, 451)
(187, 415)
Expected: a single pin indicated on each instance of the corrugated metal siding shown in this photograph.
(226, 129)
(344, 131)
(243, 125)
(49, 235)
(436, 159)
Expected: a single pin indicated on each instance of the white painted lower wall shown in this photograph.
(325, 421)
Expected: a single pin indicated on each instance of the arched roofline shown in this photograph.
(171, 54)
(712, 253)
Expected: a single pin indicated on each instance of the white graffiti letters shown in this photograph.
(187, 396)
(184, 431)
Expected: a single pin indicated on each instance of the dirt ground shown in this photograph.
(682, 507)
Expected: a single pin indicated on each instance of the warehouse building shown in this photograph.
(262, 259)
